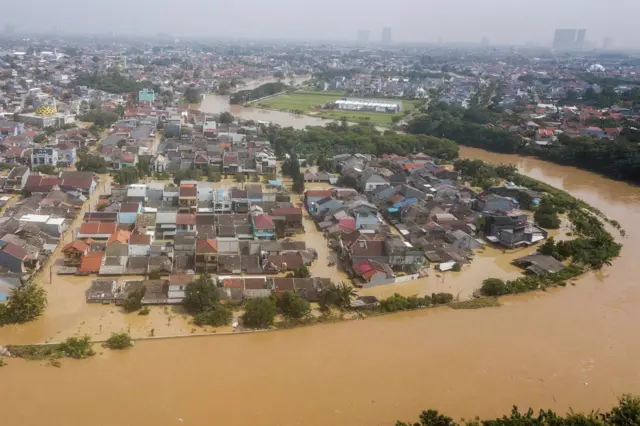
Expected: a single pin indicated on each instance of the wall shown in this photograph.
(383, 281)
(127, 217)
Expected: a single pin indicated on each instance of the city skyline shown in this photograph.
(458, 21)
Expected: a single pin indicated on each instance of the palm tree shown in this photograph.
(344, 295)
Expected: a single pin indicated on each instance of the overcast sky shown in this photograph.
(502, 21)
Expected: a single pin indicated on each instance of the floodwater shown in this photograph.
(575, 347)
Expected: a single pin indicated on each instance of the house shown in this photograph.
(91, 263)
(206, 255)
(96, 230)
(402, 254)
(492, 202)
(78, 181)
(366, 220)
(185, 222)
(140, 245)
(370, 181)
(525, 196)
(177, 286)
(325, 205)
(263, 226)
(17, 179)
(166, 223)
(463, 241)
(291, 216)
(539, 264)
(74, 252)
(41, 184)
(16, 258)
(311, 196)
(373, 273)
(129, 212)
(188, 198)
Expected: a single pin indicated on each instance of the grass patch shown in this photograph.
(477, 303)
(308, 101)
(2, 362)
(73, 347)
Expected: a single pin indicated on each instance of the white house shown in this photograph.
(40, 156)
(177, 286)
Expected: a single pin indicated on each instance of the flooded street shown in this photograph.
(575, 347)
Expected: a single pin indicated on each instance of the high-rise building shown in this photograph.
(386, 35)
(607, 43)
(569, 39)
(364, 36)
(582, 33)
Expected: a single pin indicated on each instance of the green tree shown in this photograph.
(302, 272)
(47, 169)
(348, 181)
(292, 306)
(26, 303)
(40, 138)
(119, 341)
(225, 117)
(259, 313)
(298, 184)
(127, 176)
(77, 347)
(133, 302)
(201, 295)
(240, 177)
(217, 316)
(493, 287)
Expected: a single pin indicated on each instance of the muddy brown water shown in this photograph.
(573, 347)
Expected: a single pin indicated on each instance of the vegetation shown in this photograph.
(266, 89)
(476, 303)
(119, 341)
(202, 300)
(112, 82)
(192, 95)
(73, 347)
(47, 169)
(546, 214)
(291, 168)
(259, 312)
(127, 175)
(133, 302)
(225, 118)
(292, 306)
(217, 317)
(91, 163)
(26, 303)
(626, 413)
(336, 295)
(340, 137)
(144, 311)
(102, 119)
(619, 159)
(189, 174)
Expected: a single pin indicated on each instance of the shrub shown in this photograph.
(144, 311)
(292, 306)
(259, 313)
(441, 298)
(119, 341)
(76, 347)
(493, 287)
(218, 316)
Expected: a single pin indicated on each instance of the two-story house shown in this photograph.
(188, 199)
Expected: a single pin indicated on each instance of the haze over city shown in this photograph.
(425, 21)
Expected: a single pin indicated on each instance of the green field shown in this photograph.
(311, 102)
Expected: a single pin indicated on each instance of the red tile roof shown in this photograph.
(98, 228)
(14, 250)
(76, 245)
(318, 193)
(188, 191)
(91, 262)
(120, 236)
(185, 219)
(263, 221)
(206, 246)
(140, 240)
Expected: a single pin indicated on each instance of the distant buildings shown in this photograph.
(363, 36)
(569, 39)
(386, 35)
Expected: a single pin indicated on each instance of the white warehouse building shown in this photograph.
(369, 105)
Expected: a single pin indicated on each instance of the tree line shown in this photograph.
(340, 137)
(618, 159)
(267, 89)
(626, 413)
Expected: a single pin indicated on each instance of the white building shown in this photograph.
(369, 105)
(53, 226)
(40, 156)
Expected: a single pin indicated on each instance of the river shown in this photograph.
(572, 347)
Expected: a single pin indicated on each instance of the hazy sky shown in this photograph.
(502, 21)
